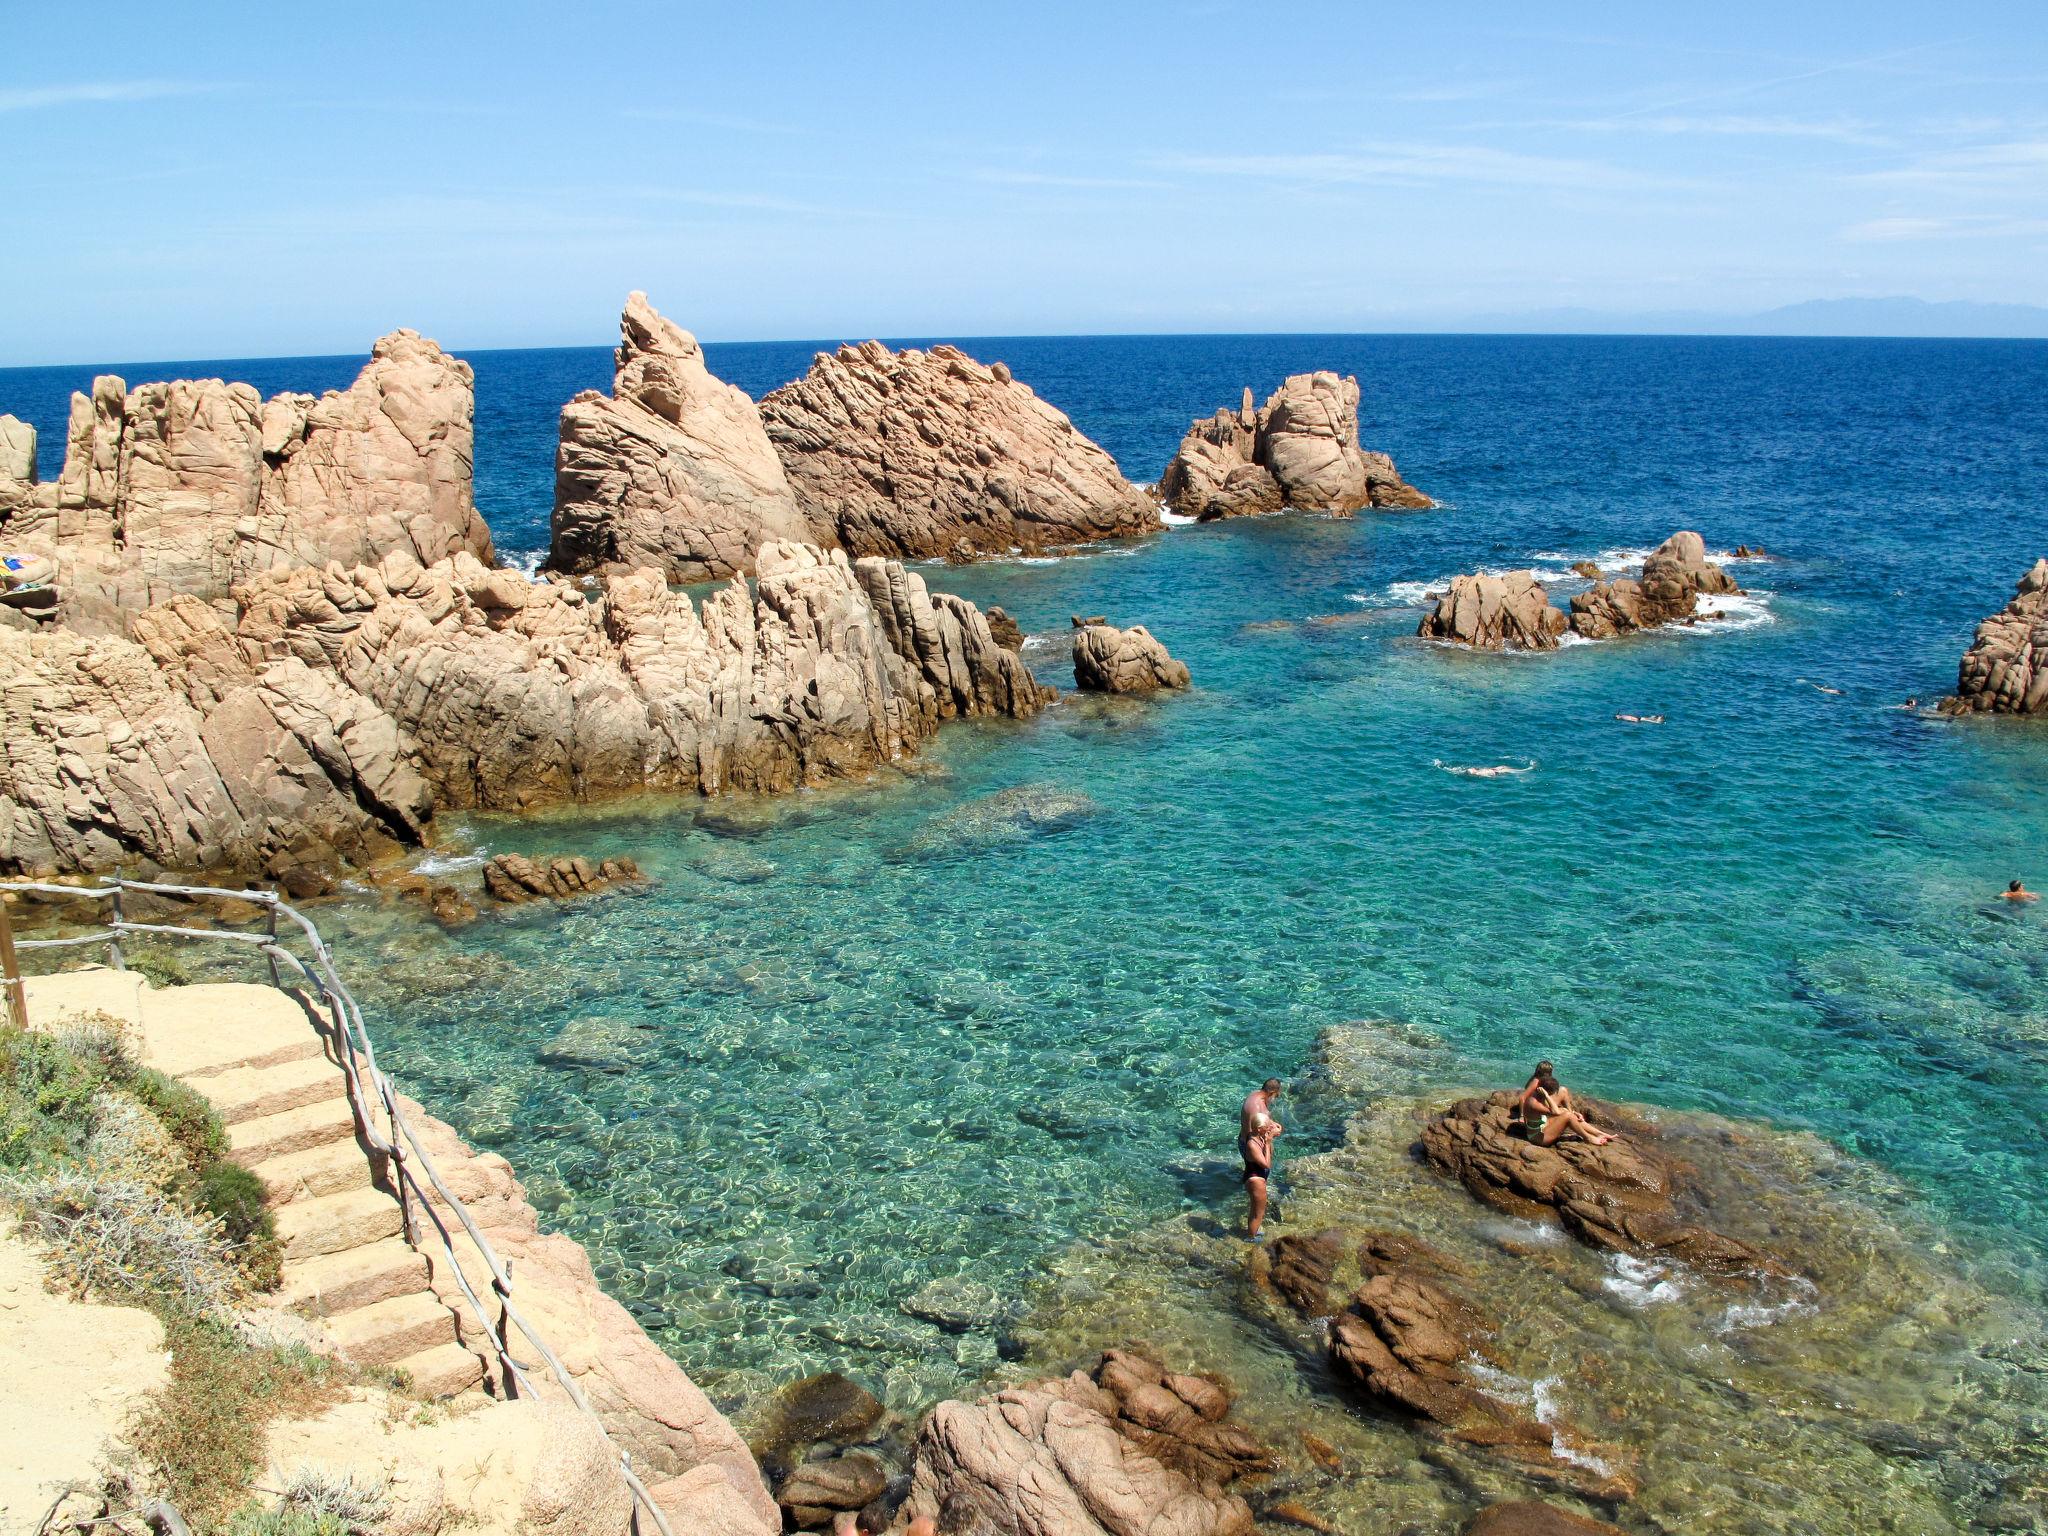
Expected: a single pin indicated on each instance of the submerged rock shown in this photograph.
(818, 1491)
(673, 470)
(919, 454)
(597, 1045)
(513, 878)
(1112, 660)
(1128, 1447)
(1300, 450)
(1494, 613)
(958, 1305)
(1008, 816)
(1624, 1195)
(827, 1408)
(1527, 1517)
(2005, 670)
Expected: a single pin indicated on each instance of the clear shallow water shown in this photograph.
(876, 1048)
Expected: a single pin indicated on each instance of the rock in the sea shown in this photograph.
(514, 878)
(2005, 670)
(1007, 816)
(827, 1408)
(322, 719)
(957, 1305)
(1112, 660)
(1494, 613)
(1009, 634)
(1126, 1449)
(920, 454)
(195, 487)
(818, 1491)
(1674, 575)
(672, 470)
(1300, 449)
(1528, 1517)
(596, 1045)
(1623, 1196)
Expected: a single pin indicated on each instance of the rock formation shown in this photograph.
(1112, 660)
(1514, 611)
(1626, 1195)
(514, 878)
(672, 470)
(1674, 575)
(1128, 1448)
(2005, 670)
(325, 717)
(194, 487)
(919, 454)
(1493, 613)
(1299, 450)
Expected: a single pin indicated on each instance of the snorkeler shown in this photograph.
(1642, 719)
(1496, 771)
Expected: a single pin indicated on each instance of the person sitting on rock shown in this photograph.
(1547, 1115)
(2018, 892)
(1256, 1129)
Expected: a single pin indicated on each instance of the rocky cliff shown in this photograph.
(672, 471)
(1300, 449)
(2005, 670)
(917, 454)
(326, 713)
(193, 487)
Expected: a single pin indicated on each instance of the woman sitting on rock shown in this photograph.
(1546, 1112)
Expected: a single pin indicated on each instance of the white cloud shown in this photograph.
(1835, 130)
(1055, 179)
(30, 98)
(1419, 164)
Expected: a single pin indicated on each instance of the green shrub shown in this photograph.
(284, 1520)
(46, 1098)
(185, 1114)
(126, 1240)
(233, 1196)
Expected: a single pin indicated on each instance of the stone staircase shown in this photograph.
(269, 1067)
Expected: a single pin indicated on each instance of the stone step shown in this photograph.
(340, 1282)
(244, 1093)
(335, 1223)
(306, 1175)
(292, 1130)
(442, 1371)
(387, 1331)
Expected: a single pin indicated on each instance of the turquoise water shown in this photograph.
(886, 1035)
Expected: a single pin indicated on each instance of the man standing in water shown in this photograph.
(1256, 1129)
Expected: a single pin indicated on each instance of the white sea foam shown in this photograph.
(435, 865)
(1538, 1234)
(1640, 1283)
(1035, 642)
(1738, 611)
(1802, 1300)
(1175, 520)
(1540, 1398)
(525, 561)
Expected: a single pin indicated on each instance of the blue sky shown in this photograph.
(228, 180)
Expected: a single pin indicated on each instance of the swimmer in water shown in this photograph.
(2018, 892)
(1642, 719)
(1496, 771)
(1820, 687)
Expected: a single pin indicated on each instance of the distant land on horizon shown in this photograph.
(1899, 318)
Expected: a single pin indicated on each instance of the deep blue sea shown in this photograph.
(883, 1036)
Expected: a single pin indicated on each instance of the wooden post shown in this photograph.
(276, 980)
(114, 957)
(504, 1291)
(17, 999)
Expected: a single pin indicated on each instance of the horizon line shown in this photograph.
(938, 338)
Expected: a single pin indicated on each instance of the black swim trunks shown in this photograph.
(1252, 1168)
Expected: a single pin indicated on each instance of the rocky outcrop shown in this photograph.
(17, 463)
(2005, 670)
(1112, 660)
(683, 1448)
(325, 718)
(919, 454)
(1674, 575)
(1298, 450)
(194, 487)
(513, 878)
(1626, 1195)
(1495, 613)
(672, 470)
(1128, 1448)
(1513, 611)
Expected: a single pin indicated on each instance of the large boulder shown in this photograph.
(17, 463)
(672, 470)
(515, 879)
(918, 454)
(1300, 449)
(2005, 670)
(1627, 1195)
(195, 487)
(1675, 574)
(1112, 660)
(1495, 613)
(1128, 1448)
(322, 720)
